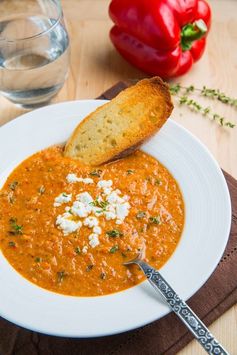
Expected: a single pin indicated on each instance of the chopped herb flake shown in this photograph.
(123, 255)
(12, 244)
(114, 249)
(96, 173)
(11, 199)
(130, 172)
(41, 189)
(103, 276)
(13, 185)
(60, 276)
(157, 182)
(89, 267)
(100, 204)
(103, 204)
(78, 250)
(15, 228)
(140, 215)
(114, 233)
(155, 220)
(38, 259)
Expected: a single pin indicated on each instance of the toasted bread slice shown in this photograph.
(120, 126)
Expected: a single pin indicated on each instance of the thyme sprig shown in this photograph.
(206, 92)
(182, 94)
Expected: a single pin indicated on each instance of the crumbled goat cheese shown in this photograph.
(62, 198)
(93, 240)
(114, 198)
(85, 198)
(122, 210)
(109, 215)
(107, 190)
(67, 225)
(104, 183)
(84, 211)
(97, 230)
(88, 181)
(79, 209)
(91, 222)
(71, 178)
(85, 249)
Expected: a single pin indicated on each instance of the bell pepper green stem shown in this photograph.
(192, 32)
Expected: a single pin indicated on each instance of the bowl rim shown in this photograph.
(204, 279)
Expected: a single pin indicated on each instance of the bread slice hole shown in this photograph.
(113, 142)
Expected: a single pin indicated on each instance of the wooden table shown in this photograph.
(95, 66)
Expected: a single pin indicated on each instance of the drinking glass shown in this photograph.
(34, 51)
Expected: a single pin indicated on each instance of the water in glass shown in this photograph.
(32, 70)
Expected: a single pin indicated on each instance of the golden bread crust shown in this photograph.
(120, 126)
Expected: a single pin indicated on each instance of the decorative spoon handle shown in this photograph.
(183, 311)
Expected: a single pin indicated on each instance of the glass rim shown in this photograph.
(59, 17)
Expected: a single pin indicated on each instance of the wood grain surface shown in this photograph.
(95, 66)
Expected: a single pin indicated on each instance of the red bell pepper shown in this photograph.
(161, 37)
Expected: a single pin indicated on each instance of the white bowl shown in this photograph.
(206, 231)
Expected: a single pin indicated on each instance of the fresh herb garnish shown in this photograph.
(157, 182)
(16, 229)
(96, 173)
(60, 276)
(100, 204)
(89, 267)
(206, 92)
(10, 197)
(12, 244)
(148, 179)
(130, 172)
(98, 211)
(155, 220)
(114, 233)
(123, 255)
(114, 249)
(140, 215)
(13, 185)
(41, 189)
(182, 93)
(103, 276)
(103, 204)
(77, 250)
(38, 259)
(64, 194)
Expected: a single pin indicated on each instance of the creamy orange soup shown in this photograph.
(69, 228)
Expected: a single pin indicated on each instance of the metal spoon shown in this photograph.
(178, 306)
